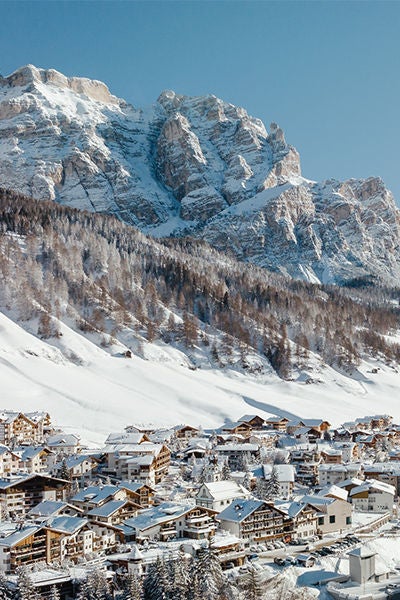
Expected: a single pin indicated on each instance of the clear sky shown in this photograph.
(327, 72)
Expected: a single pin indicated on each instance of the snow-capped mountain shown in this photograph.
(196, 166)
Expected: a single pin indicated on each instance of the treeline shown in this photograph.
(57, 263)
(182, 577)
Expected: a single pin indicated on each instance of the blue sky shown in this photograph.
(327, 72)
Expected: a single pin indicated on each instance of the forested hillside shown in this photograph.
(112, 282)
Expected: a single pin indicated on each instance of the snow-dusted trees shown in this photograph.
(5, 591)
(25, 587)
(106, 276)
(273, 487)
(251, 586)
(132, 588)
(54, 593)
(157, 584)
(208, 579)
(226, 472)
(185, 578)
(95, 587)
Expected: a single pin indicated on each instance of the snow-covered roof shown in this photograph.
(233, 425)
(107, 509)
(240, 509)
(62, 439)
(131, 485)
(12, 481)
(350, 481)
(276, 420)
(373, 484)
(167, 511)
(334, 468)
(77, 459)
(47, 508)
(67, 524)
(30, 452)
(389, 467)
(331, 451)
(314, 422)
(124, 437)
(145, 460)
(292, 509)
(19, 535)
(225, 490)
(362, 552)
(334, 490)
(285, 473)
(317, 500)
(247, 418)
(95, 494)
(246, 447)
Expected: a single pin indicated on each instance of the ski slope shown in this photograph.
(91, 391)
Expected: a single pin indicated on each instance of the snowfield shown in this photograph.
(92, 391)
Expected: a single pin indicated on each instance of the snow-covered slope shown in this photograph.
(101, 390)
(197, 166)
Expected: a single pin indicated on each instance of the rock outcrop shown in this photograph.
(196, 166)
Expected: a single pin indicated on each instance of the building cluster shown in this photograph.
(148, 491)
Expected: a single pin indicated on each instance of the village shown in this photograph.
(262, 493)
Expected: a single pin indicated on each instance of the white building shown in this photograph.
(335, 473)
(217, 495)
(373, 495)
(285, 475)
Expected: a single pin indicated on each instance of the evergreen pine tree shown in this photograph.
(247, 480)
(54, 593)
(63, 471)
(273, 487)
(98, 585)
(261, 489)
(132, 588)
(208, 578)
(251, 585)
(156, 582)
(226, 472)
(5, 592)
(84, 591)
(180, 578)
(25, 588)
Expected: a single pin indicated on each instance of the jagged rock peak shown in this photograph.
(29, 74)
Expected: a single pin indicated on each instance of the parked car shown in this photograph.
(279, 561)
(253, 557)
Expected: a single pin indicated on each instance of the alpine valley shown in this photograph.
(228, 279)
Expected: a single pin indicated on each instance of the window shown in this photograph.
(332, 519)
(321, 520)
(348, 520)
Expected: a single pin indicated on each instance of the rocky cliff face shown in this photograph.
(197, 166)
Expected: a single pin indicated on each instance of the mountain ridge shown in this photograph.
(194, 166)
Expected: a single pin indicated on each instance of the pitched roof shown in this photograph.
(334, 490)
(292, 509)
(95, 494)
(67, 524)
(371, 485)
(167, 511)
(107, 509)
(62, 439)
(222, 490)
(239, 510)
(132, 486)
(19, 535)
(47, 508)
